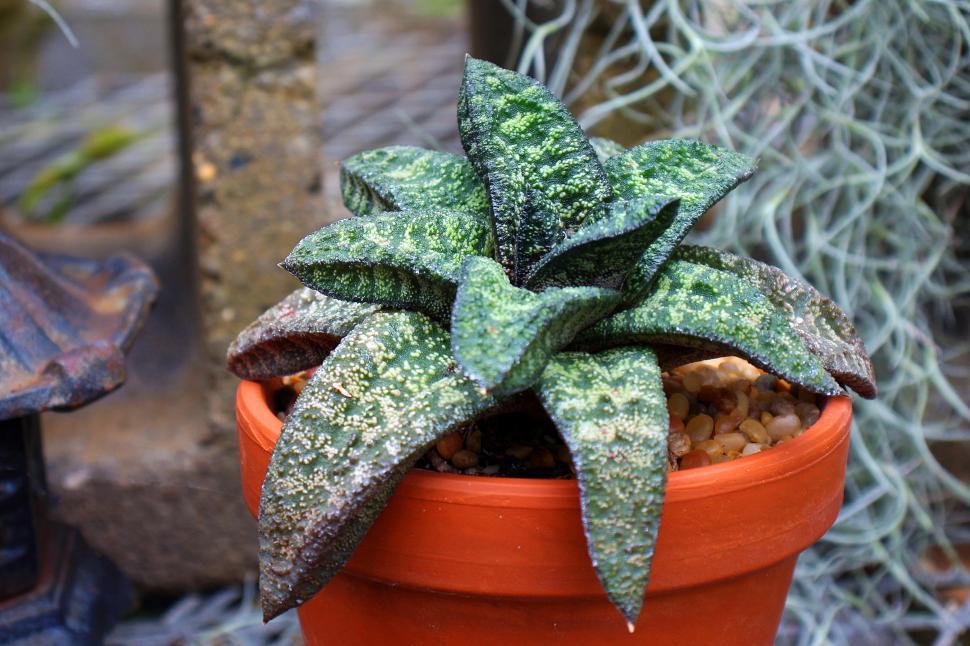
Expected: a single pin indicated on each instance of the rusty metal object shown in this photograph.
(21, 488)
(77, 598)
(65, 324)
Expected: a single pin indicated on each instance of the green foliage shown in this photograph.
(405, 178)
(822, 326)
(23, 93)
(541, 173)
(541, 268)
(696, 306)
(409, 260)
(60, 174)
(603, 250)
(612, 413)
(376, 404)
(690, 171)
(503, 336)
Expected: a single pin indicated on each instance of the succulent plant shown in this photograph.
(545, 262)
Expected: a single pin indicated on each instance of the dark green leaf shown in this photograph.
(604, 251)
(502, 335)
(699, 307)
(694, 172)
(295, 334)
(388, 391)
(823, 327)
(674, 356)
(399, 178)
(605, 148)
(611, 410)
(540, 172)
(409, 260)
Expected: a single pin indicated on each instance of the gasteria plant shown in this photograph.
(544, 262)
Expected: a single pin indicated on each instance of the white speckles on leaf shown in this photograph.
(523, 329)
(534, 196)
(697, 306)
(611, 410)
(409, 260)
(606, 247)
(822, 326)
(541, 174)
(339, 458)
(696, 173)
(399, 178)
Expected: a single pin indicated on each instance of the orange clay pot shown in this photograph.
(478, 560)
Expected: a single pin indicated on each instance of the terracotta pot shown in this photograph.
(471, 559)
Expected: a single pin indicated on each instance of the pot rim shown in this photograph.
(798, 454)
(719, 521)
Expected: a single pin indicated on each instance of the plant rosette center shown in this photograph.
(543, 269)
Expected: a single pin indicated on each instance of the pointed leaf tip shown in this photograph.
(701, 307)
(399, 178)
(696, 173)
(339, 458)
(611, 411)
(541, 174)
(295, 334)
(818, 320)
(407, 260)
(605, 250)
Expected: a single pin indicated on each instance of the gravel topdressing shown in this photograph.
(720, 410)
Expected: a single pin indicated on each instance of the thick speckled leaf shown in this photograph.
(823, 327)
(386, 393)
(409, 260)
(611, 411)
(295, 334)
(605, 148)
(541, 174)
(700, 307)
(399, 178)
(694, 172)
(604, 251)
(502, 336)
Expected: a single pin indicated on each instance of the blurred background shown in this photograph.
(204, 137)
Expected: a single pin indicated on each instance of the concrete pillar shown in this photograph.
(254, 141)
(153, 481)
